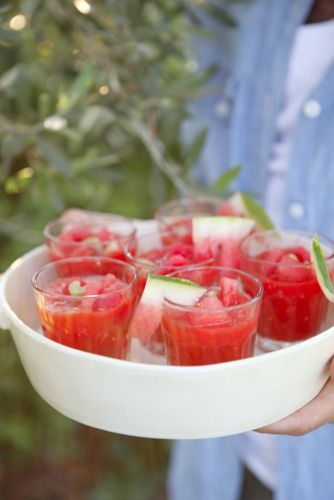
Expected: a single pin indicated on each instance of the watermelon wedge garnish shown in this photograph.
(148, 314)
(321, 269)
(220, 235)
(244, 205)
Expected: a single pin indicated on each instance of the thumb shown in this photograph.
(316, 413)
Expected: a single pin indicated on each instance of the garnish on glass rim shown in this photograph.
(321, 269)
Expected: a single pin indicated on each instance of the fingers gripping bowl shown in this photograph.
(158, 401)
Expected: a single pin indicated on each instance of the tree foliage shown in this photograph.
(92, 102)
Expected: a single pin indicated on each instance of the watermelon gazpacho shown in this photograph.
(175, 217)
(208, 319)
(77, 238)
(153, 255)
(293, 307)
(87, 303)
(146, 323)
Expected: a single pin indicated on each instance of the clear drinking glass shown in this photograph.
(106, 236)
(175, 217)
(153, 255)
(220, 328)
(293, 307)
(87, 303)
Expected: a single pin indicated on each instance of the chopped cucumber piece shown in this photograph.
(75, 288)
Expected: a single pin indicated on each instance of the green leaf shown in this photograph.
(321, 269)
(92, 163)
(80, 86)
(54, 156)
(9, 37)
(19, 182)
(12, 145)
(4, 9)
(44, 105)
(226, 179)
(96, 116)
(188, 84)
(9, 78)
(195, 148)
(256, 211)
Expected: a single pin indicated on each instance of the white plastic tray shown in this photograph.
(158, 401)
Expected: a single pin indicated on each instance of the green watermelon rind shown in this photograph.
(158, 287)
(171, 279)
(321, 269)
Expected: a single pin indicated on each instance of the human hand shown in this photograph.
(316, 413)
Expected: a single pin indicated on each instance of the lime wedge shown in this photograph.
(321, 269)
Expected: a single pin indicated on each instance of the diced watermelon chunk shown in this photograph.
(210, 302)
(93, 287)
(107, 301)
(273, 255)
(77, 233)
(104, 234)
(301, 253)
(176, 261)
(288, 263)
(229, 294)
(181, 249)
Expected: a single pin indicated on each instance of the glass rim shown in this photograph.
(153, 265)
(245, 274)
(47, 231)
(93, 258)
(187, 201)
(291, 232)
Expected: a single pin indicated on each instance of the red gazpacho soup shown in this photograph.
(90, 312)
(78, 239)
(293, 305)
(152, 254)
(220, 327)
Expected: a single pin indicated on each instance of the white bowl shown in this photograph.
(158, 401)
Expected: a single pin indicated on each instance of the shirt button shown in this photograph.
(222, 108)
(296, 211)
(312, 108)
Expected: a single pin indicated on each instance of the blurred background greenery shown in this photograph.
(93, 95)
